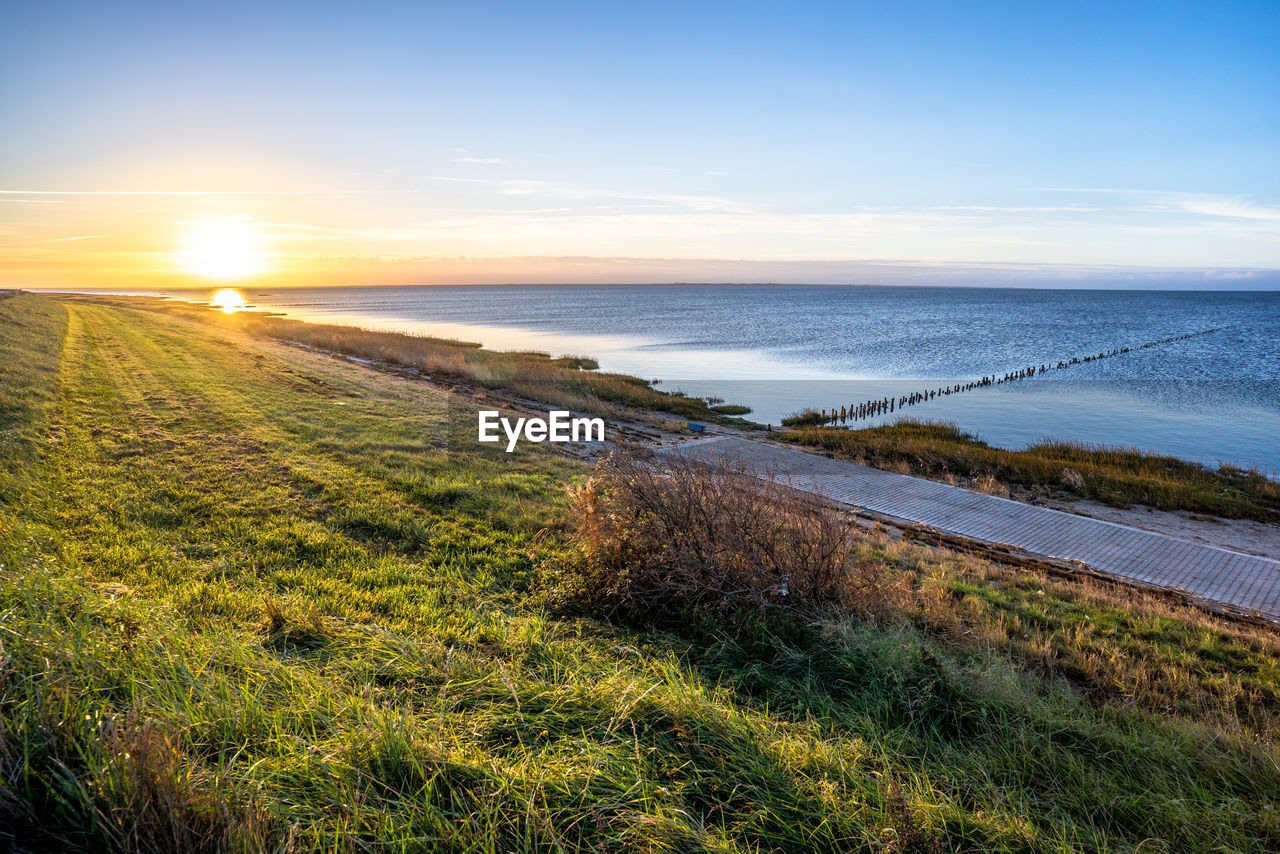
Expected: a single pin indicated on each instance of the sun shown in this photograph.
(222, 249)
(228, 300)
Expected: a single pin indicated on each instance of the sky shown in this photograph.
(1122, 144)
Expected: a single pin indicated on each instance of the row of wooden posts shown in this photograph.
(886, 405)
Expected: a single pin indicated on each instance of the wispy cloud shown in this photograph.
(1207, 204)
(461, 214)
(1019, 209)
(1227, 207)
(524, 187)
(480, 160)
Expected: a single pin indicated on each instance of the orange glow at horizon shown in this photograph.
(222, 249)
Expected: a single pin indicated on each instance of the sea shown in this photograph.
(1211, 394)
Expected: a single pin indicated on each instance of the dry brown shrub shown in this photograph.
(668, 536)
(1071, 479)
(988, 484)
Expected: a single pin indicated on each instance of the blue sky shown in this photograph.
(388, 141)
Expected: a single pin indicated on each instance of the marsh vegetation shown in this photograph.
(1115, 475)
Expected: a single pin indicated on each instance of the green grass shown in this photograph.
(253, 598)
(1117, 476)
(567, 381)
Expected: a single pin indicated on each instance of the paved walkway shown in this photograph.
(1239, 581)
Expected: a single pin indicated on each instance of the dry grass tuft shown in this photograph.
(988, 484)
(153, 804)
(305, 631)
(136, 789)
(678, 536)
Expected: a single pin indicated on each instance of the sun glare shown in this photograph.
(224, 249)
(228, 300)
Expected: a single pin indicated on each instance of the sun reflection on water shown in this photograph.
(228, 300)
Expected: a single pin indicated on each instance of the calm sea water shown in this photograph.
(779, 348)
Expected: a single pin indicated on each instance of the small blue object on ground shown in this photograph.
(697, 428)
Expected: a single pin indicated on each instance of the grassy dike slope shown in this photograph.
(254, 598)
